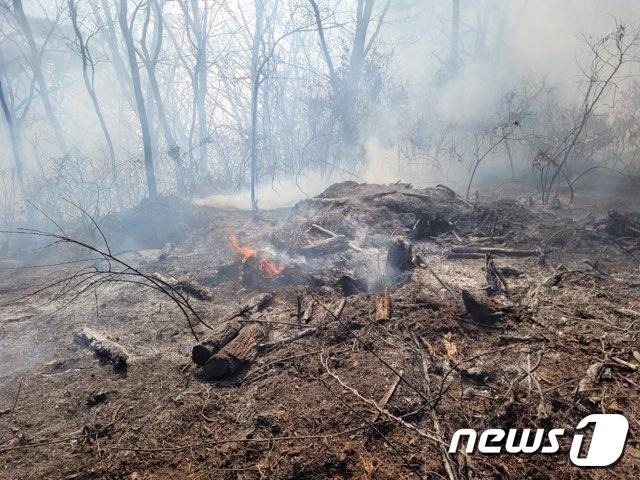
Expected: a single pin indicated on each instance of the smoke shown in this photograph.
(501, 42)
(280, 193)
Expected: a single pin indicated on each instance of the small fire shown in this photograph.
(243, 251)
(267, 268)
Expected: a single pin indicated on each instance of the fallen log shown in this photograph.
(323, 230)
(107, 350)
(451, 193)
(421, 196)
(202, 352)
(458, 255)
(240, 351)
(282, 341)
(507, 252)
(343, 200)
(329, 245)
(330, 234)
(227, 329)
(387, 396)
(185, 286)
(308, 312)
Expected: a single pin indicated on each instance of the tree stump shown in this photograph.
(399, 255)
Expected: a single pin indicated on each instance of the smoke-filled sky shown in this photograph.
(502, 43)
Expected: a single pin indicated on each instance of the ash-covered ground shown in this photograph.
(507, 314)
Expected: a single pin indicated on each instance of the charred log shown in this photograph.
(323, 247)
(428, 225)
(105, 349)
(507, 252)
(399, 255)
(228, 329)
(202, 352)
(237, 353)
(185, 286)
(620, 225)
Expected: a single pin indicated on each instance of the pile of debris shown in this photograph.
(400, 314)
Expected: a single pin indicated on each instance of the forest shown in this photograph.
(303, 239)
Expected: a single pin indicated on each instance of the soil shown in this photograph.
(306, 409)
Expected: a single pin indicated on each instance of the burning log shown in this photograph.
(240, 351)
(104, 348)
(399, 255)
(256, 266)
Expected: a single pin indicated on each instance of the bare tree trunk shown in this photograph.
(201, 95)
(13, 137)
(112, 42)
(137, 90)
(455, 35)
(87, 63)
(255, 86)
(36, 64)
(510, 157)
(151, 62)
(346, 91)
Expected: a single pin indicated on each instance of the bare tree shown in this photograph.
(609, 54)
(88, 76)
(14, 137)
(150, 60)
(36, 64)
(346, 86)
(140, 106)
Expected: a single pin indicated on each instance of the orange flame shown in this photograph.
(243, 251)
(267, 268)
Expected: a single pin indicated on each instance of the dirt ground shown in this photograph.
(564, 345)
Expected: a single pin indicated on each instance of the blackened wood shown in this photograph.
(105, 349)
(399, 255)
(330, 245)
(202, 352)
(240, 351)
(508, 252)
(228, 329)
(478, 312)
